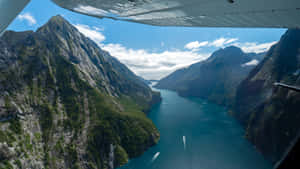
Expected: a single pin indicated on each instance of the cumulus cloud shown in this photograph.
(153, 65)
(220, 42)
(150, 65)
(27, 17)
(254, 47)
(228, 41)
(195, 45)
(253, 62)
(93, 33)
(248, 47)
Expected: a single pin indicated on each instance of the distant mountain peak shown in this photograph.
(58, 20)
(229, 55)
(231, 50)
(57, 24)
(214, 79)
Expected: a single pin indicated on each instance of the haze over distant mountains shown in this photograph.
(216, 78)
(269, 114)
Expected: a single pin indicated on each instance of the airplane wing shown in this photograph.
(193, 13)
(9, 9)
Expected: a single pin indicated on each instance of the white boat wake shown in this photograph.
(184, 141)
(155, 156)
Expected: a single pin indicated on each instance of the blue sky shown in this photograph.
(150, 51)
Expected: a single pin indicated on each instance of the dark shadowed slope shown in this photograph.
(271, 114)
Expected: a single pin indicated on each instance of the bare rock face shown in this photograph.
(64, 102)
(111, 157)
(6, 153)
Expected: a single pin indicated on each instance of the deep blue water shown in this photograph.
(214, 140)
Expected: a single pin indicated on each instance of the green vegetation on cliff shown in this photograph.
(65, 103)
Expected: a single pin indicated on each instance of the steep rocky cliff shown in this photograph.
(271, 114)
(65, 103)
(215, 79)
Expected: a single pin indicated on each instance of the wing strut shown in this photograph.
(9, 9)
(294, 88)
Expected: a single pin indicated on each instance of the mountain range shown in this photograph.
(65, 103)
(216, 78)
(269, 114)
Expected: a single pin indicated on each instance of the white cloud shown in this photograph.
(221, 42)
(93, 33)
(228, 41)
(27, 17)
(249, 47)
(153, 65)
(253, 62)
(98, 28)
(218, 42)
(195, 45)
(150, 65)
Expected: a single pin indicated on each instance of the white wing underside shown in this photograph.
(194, 13)
(191, 13)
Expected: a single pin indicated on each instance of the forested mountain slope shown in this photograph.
(65, 103)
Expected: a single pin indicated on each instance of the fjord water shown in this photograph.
(196, 134)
